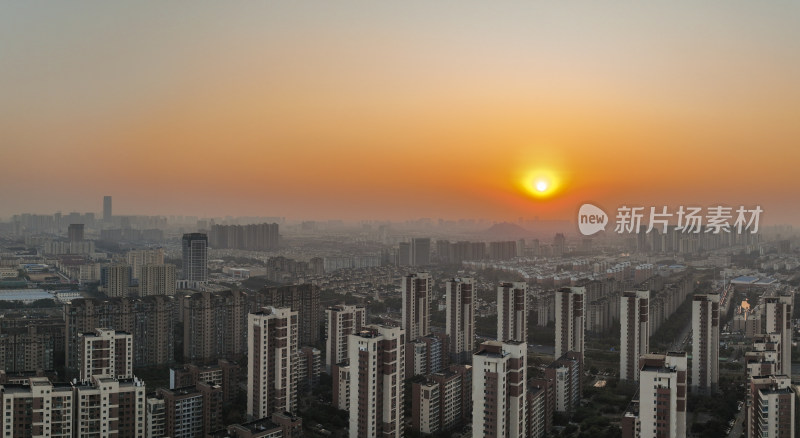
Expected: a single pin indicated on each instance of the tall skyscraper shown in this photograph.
(195, 258)
(376, 357)
(272, 344)
(512, 312)
(420, 251)
(662, 395)
(106, 208)
(570, 320)
(634, 332)
(779, 320)
(416, 292)
(460, 299)
(705, 342)
(498, 390)
(106, 352)
(75, 232)
(343, 321)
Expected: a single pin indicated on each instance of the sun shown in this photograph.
(541, 183)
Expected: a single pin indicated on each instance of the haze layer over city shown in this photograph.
(349, 219)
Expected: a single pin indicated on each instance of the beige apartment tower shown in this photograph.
(460, 300)
(272, 344)
(634, 332)
(512, 312)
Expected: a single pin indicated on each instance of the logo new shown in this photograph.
(591, 219)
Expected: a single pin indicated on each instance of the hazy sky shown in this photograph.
(397, 109)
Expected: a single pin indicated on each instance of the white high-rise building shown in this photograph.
(416, 292)
(343, 321)
(105, 352)
(662, 395)
(272, 345)
(460, 300)
(376, 356)
(570, 320)
(499, 371)
(770, 407)
(705, 342)
(634, 332)
(512, 312)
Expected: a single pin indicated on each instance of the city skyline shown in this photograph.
(212, 110)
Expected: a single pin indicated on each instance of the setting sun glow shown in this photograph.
(542, 183)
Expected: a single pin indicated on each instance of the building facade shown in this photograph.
(272, 345)
(498, 390)
(705, 342)
(376, 405)
(416, 293)
(460, 301)
(512, 312)
(570, 320)
(343, 321)
(634, 332)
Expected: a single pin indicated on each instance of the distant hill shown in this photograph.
(506, 230)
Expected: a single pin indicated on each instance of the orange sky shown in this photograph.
(361, 110)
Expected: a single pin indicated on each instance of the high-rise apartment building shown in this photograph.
(427, 354)
(253, 237)
(214, 325)
(498, 390)
(30, 342)
(634, 332)
(191, 411)
(157, 280)
(377, 377)
(565, 374)
(118, 280)
(460, 301)
(512, 312)
(195, 258)
(100, 406)
(340, 374)
(420, 251)
(272, 345)
(150, 320)
(106, 352)
(106, 209)
(343, 321)
(770, 407)
(75, 232)
(301, 298)
(416, 293)
(705, 342)
(440, 401)
(779, 320)
(141, 257)
(224, 374)
(570, 320)
(661, 408)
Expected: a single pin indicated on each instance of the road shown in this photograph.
(737, 430)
